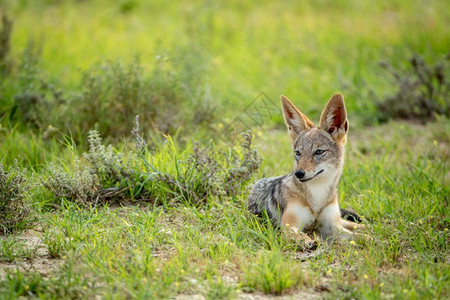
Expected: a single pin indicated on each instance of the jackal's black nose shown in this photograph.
(299, 174)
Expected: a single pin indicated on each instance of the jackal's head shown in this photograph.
(318, 151)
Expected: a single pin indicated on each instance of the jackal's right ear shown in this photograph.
(295, 120)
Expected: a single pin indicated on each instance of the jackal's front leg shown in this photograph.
(295, 218)
(332, 226)
(330, 223)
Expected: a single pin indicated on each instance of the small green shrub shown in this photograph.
(166, 97)
(13, 211)
(212, 173)
(80, 186)
(36, 106)
(28, 99)
(422, 90)
(99, 176)
(105, 162)
(240, 169)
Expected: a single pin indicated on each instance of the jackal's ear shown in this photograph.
(334, 118)
(295, 120)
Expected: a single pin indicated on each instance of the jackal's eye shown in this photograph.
(297, 153)
(319, 152)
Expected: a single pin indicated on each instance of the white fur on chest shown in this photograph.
(320, 191)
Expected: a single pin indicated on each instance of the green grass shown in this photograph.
(219, 250)
(189, 233)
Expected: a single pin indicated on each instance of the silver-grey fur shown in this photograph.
(266, 196)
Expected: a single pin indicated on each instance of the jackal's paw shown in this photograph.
(303, 241)
(306, 244)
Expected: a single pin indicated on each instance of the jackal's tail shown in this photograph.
(350, 215)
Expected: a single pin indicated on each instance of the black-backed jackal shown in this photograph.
(306, 199)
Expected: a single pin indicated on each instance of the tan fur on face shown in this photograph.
(309, 141)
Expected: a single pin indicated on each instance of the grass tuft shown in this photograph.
(271, 274)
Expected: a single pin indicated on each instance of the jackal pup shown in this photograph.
(306, 199)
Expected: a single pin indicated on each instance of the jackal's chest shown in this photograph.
(318, 197)
(314, 195)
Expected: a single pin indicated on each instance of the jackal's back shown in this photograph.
(266, 195)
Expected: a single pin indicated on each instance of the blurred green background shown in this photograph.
(197, 64)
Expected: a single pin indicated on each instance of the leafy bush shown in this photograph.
(113, 93)
(13, 211)
(99, 176)
(81, 186)
(103, 175)
(105, 162)
(27, 97)
(422, 91)
(211, 173)
(240, 170)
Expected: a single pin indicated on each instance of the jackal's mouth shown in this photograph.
(306, 179)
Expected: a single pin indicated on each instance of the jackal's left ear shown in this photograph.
(296, 121)
(334, 118)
